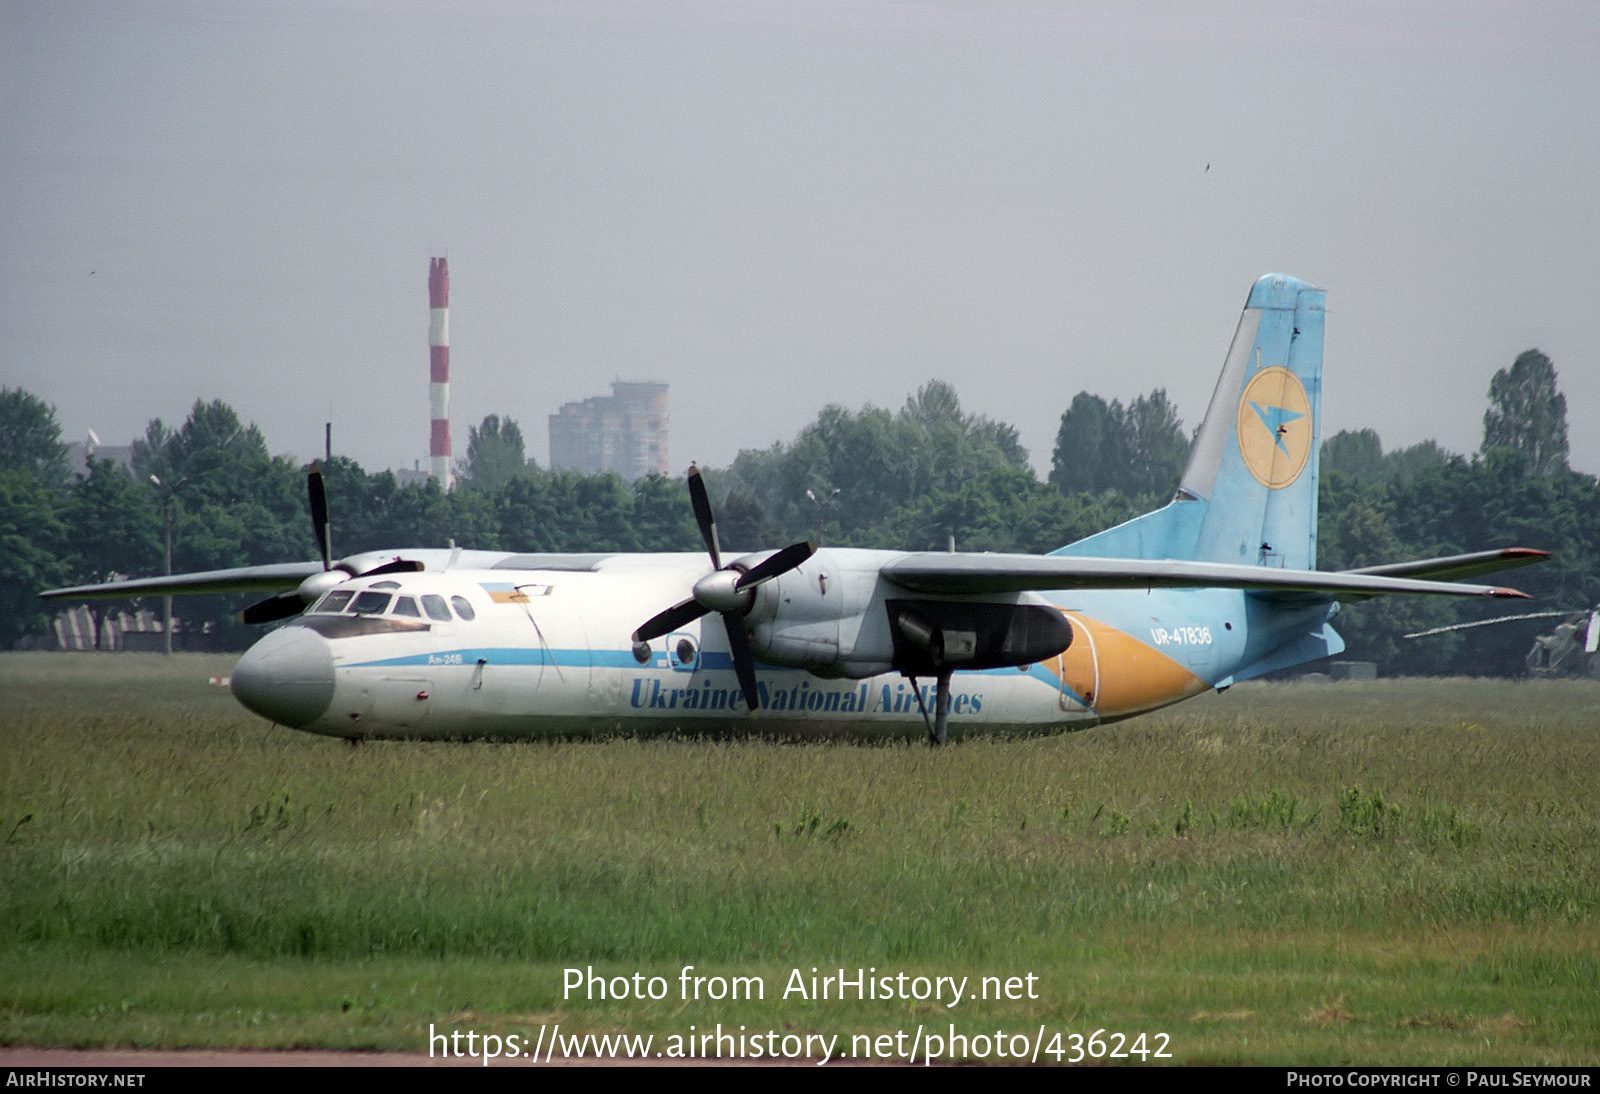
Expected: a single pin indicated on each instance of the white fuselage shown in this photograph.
(514, 653)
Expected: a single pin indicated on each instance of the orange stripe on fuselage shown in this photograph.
(1133, 676)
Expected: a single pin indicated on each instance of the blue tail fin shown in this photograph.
(1249, 493)
(1255, 460)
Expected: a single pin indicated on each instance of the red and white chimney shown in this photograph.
(439, 371)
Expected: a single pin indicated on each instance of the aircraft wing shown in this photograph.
(276, 577)
(952, 574)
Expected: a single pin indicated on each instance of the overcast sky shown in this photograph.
(776, 205)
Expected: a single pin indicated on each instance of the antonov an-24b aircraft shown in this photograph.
(1217, 587)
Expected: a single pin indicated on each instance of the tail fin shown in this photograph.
(1249, 493)
(1255, 460)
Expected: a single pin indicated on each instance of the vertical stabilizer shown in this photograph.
(1255, 460)
(1249, 493)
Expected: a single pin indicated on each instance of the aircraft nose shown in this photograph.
(286, 677)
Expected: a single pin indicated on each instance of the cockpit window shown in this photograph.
(384, 585)
(404, 605)
(436, 608)
(463, 609)
(334, 602)
(371, 603)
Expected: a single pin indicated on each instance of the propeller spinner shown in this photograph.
(727, 590)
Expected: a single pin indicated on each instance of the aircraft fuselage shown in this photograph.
(509, 653)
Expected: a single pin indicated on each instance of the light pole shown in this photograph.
(822, 512)
(166, 518)
(168, 492)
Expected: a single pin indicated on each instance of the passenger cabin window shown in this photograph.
(371, 603)
(335, 602)
(463, 609)
(404, 605)
(436, 608)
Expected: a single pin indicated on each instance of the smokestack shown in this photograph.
(439, 370)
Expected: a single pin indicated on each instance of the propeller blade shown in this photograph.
(319, 513)
(744, 662)
(670, 620)
(273, 608)
(1484, 623)
(1591, 640)
(780, 563)
(703, 517)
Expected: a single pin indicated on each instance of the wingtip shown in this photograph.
(1509, 594)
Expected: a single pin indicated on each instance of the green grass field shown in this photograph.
(1399, 872)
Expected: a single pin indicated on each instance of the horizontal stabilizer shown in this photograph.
(1458, 566)
(989, 574)
(1322, 641)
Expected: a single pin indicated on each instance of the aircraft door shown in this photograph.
(1078, 667)
(396, 701)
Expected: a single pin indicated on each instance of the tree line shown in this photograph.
(918, 478)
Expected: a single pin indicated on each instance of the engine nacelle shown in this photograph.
(934, 635)
(806, 617)
(835, 616)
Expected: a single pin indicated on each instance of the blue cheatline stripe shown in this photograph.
(1035, 672)
(623, 659)
(452, 658)
(710, 661)
(514, 655)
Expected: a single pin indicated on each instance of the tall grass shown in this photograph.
(142, 813)
(190, 825)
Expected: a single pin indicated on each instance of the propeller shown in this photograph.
(727, 590)
(273, 608)
(317, 495)
(311, 589)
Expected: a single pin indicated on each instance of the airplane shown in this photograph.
(1217, 587)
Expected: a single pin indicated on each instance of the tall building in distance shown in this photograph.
(625, 432)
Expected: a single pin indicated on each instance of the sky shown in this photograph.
(773, 206)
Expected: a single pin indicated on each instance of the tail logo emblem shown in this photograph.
(1274, 427)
